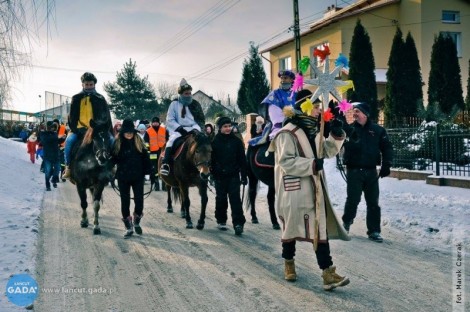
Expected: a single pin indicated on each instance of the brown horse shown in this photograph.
(190, 168)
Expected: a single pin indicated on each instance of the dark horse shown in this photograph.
(190, 168)
(91, 168)
(261, 168)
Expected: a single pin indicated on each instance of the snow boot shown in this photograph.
(129, 227)
(137, 227)
(331, 280)
(289, 270)
(165, 168)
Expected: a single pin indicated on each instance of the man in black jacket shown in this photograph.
(368, 145)
(86, 105)
(228, 169)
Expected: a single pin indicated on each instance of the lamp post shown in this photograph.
(40, 114)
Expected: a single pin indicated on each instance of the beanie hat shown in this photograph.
(127, 126)
(33, 138)
(141, 127)
(155, 119)
(259, 120)
(51, 126)
(184, 86)
(223, 121)
(363, 107)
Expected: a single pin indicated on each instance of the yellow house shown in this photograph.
(424, 19)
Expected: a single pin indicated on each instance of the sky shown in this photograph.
(203, 41)
(431, 217)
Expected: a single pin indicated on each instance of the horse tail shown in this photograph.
(176, 194)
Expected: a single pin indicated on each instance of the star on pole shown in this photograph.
(326, 82)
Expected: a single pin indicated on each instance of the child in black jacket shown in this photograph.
(51, 157)
(133, 163)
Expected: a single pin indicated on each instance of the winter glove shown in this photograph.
(244, 181)
(318, 164)
(181, 130)
(384, 171)
(336, 127)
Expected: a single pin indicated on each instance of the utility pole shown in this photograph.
(296, 34)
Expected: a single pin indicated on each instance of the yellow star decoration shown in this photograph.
(326, 82)
(307, 107)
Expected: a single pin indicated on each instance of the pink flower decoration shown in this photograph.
(344, 106)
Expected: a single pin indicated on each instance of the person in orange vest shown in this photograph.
(155, 138)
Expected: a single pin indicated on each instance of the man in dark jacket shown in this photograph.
(367, 147)
(50, 144)
(228, 169)
(86, 105)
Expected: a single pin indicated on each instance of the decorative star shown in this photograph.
(326, 82)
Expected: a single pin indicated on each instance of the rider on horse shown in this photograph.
(184, 115)
(86, 105)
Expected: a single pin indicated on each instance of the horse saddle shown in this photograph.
(177, 147)
(263, 158)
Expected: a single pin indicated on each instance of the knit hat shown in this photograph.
(223, 121)
(32, 138)
(141, 127)
(184, 85)
(51, 126)
(363, 107)
(259, 120)
(127, 126)
(155, 119)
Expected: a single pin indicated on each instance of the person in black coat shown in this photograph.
(228, 168)
(368, 145)
(51, 154)
(133, 163)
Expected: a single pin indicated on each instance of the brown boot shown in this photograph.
(66, 174)
(331, 280)
(289, 270)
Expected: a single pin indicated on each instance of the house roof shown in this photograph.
(211, 100)
(338, 14)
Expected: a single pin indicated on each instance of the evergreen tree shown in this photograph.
(254, 85)
(413, 93)
(467, 98)
(361, 70)
(445, 86)
(132, 96)
(394, 88)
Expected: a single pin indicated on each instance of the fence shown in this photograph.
(430, 148)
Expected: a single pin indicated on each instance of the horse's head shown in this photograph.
(98, 136)
(201, 151)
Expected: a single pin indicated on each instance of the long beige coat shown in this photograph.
(294, 181)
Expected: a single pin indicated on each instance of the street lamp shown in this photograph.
(40, 107)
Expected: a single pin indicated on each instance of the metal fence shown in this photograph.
(430, 148)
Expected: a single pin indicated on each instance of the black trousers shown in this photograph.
(228, 187)
(358, 181)
(324, 259)
(125, 191)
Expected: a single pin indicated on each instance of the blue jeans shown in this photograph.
(70, 141)
(51, 169)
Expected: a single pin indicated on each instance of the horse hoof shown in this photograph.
(97, 231)
(200, 226)
(189, 225)
(276, 227)
(169, 210)
(84, 224)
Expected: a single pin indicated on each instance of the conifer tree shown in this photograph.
(394, 88)
(254, 85)
(413, 92)
(467, 98)
(132, 96)
(445, 86)
(361, 70)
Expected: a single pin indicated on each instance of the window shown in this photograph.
(285, 63)
(456, 38)
(451, 17)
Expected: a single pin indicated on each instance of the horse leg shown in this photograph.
(272, 210)
(252, 191)
(97, 193)
(204, 200)
(169, 207)
(185, 207)
(83, 203)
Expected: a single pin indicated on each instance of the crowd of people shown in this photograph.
(293, 131)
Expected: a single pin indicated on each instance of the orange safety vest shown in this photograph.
(156, 140)
(61, 132)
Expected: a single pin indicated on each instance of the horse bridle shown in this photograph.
(102, 152)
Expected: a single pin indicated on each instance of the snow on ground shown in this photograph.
(430, 216)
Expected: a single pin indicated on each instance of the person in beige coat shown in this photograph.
(302, 204)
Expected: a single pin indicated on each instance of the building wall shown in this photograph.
(422, 18)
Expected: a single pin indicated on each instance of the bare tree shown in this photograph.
(19, 24)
